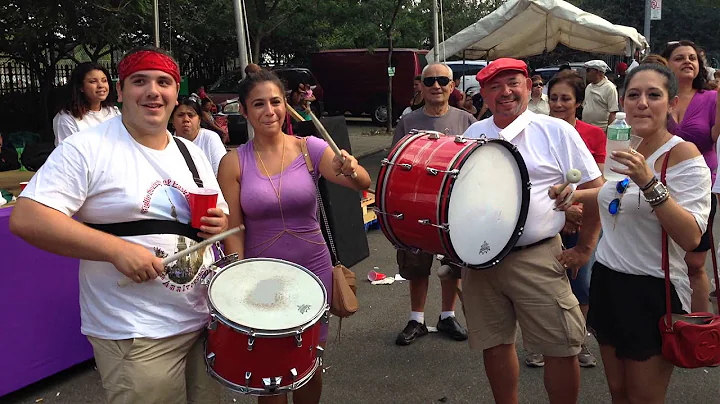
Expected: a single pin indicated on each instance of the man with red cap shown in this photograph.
(530, 286)
(127, 183)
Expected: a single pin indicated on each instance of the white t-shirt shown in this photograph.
(64, 124)
(550, 147)
(209, 142)
(102, 175)
(631, 241)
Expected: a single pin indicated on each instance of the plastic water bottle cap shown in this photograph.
(620, 115)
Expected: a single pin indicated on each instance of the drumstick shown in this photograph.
(188, 251)
(328, 139)
(294, 114)
(573, 176)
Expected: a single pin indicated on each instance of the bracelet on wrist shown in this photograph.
(649, 184)
(662, 200)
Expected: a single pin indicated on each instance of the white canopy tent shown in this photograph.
(521, 28)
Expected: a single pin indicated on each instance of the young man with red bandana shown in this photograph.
(126, 181)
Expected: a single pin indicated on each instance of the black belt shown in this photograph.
(535, 244)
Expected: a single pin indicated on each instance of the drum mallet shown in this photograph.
(320, 128)
(190, 250)
(573, 176)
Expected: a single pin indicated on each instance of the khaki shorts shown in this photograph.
(529, 287)
(417, 265)
(155, 371)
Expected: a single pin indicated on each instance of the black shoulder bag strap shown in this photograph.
(189, 161)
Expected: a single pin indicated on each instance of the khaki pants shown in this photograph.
(155, 371)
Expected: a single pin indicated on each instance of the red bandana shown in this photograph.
(148, 60)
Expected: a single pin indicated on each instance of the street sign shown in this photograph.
(391, 71)
(655, 9)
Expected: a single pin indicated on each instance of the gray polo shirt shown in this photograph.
(454, 122)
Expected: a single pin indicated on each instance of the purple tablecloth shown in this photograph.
(39, 312)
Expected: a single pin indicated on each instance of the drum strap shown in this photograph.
(146, 227)
(150, 226)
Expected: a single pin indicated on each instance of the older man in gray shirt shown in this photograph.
(437, 115)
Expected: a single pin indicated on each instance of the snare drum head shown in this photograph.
(485, 204)
(267, 294)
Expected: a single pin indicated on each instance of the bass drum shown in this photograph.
(466, 199)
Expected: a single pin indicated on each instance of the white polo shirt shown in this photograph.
(550, 147)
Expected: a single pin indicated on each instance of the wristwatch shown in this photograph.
(656, 193)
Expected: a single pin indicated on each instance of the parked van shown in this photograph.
(356, 80)
(468, 69)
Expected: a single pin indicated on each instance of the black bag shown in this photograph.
(9, 159)
(34, 155)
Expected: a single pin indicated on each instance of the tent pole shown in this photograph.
(436, 37)
(646, 31)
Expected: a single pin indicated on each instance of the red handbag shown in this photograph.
(688, 340)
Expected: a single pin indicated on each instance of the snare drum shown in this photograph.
(264, 335)
(466, 199)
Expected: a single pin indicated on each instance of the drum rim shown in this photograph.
(524, 208)
(285, 332)
(254, 391)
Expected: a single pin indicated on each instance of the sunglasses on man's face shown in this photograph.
(442, 80)
(537, 84)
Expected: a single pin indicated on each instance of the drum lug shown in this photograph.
(271, 383)
(251, 343)
(405, 166)
(298, 340)
(435, 171)
(426, 222)
(211, 359)
(325, 317)
(460, 139)
(434, 135)
(248, 375)
(213, 323)
(395, 215)
(320, 351)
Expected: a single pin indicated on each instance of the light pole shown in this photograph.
(646, 31)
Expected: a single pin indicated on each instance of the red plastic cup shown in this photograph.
(201, 200)
(23, 185)
(375, 276)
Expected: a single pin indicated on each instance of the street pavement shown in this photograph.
(365, 366)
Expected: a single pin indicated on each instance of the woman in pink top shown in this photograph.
(271, 192)
(694, 119)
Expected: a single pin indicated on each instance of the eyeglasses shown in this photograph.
(442, 80)
(537, 84)
(621, 187)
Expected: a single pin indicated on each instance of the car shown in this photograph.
(468, 69)
(227, 86)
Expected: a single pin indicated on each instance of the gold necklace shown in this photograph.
(277, 190)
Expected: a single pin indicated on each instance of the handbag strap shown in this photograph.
(665, 255)
(189, 161)
(321, 206)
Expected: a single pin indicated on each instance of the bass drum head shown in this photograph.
(267, 294)
(486, 205)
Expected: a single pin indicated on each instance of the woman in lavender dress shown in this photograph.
(271, 192)
(695, 120)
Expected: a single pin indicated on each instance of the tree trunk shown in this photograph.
(256, 41)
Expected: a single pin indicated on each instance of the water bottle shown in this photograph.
(618, 138)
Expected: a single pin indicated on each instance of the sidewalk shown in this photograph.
(367, 139)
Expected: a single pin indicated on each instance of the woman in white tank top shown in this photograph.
(627, 290)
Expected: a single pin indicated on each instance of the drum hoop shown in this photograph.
(286, 332)
(254, 391)
(525, 206)
(382, 185)
(448, 181)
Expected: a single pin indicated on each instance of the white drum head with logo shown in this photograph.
(485, 204)
(267, 294)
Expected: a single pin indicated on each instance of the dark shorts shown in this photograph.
(625, 311)
(417, 266)
(705, 240)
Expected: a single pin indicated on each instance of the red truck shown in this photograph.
(356, 80)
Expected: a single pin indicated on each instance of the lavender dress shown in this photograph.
(696, 126)
(291, 232)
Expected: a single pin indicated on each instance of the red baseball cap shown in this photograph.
(499, 66)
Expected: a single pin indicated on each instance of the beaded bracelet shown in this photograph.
(649, 184)
(655, 202)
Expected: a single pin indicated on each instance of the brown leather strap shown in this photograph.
(308, 161)
(665, 254)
